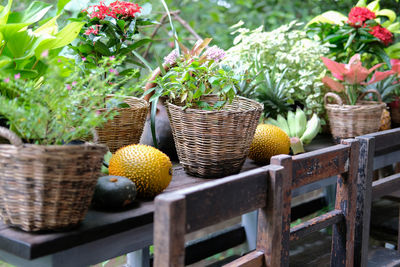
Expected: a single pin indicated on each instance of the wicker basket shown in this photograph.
(125, 128)
(46, 187)
(214, 144)
(348, 121)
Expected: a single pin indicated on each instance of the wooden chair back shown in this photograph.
(269, 190)
(187, 210)
(377, 150)
(340, 160)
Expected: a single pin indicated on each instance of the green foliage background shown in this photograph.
(212, 18)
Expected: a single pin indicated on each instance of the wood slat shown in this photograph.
(313, 166)
(385, 186)
(253, 259)
(316, 224)
(386, 140)
(209, 203)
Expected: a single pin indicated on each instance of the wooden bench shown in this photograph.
(385, 147)
(269, 190)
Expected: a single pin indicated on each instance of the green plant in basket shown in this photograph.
(56, 109)
(351, 77)
(194, 75)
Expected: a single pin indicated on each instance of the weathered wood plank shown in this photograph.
(364, 189)
(209, 203)
(346, 199)
(323, 163)
(386, 141)
(385, 186)
(253, 259)
(274, 220)
(169, 230)
(316, 224)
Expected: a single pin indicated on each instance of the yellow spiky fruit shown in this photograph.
(149, 168)
(268, 141)
(385, 120)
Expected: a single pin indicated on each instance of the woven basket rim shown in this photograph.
(364, 105)
(256, 106)
(141, 100)
(56, 147)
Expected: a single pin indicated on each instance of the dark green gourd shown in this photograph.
(113, 192)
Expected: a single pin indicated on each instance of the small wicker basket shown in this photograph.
(46, 187)
(348, 121)
(125, 128)
(213, 144)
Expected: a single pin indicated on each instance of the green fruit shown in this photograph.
(113, 192)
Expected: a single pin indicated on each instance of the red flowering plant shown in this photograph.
(111, 31)
(367, 30)
(351, 78)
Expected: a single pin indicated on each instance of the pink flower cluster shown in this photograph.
(117, 9)
(93, 30)
(215, 53)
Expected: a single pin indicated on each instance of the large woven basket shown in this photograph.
(213, 144)
(46, 187)
(125, 128)
(348, 121)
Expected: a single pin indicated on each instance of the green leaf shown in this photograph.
(61, 4)
(5, 13)
(374, 6)
(62, 38)
(387, 13)
(140, 43)
(50, 27)
(32, 14)
(395, 27)
(153, 114)
(331, 17)
(102, 49)
(362, 3)
(349, 41)
(143, 60)
(121, 24)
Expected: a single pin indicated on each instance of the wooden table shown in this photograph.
(104, 235)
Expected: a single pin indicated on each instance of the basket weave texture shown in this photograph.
(214, 144)
(47, 187)
(348, 121)
(125, 128)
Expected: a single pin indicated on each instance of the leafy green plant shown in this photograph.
(270, 91)
(367, 30)
(56, 109)
(23, 45)
(112, 30)
(195, 75)
(289, 49)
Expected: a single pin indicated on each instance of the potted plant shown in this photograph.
(47, 175)
(111, 31)
(350, 115)
(212, 126)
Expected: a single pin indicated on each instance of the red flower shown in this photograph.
(117, 9)
(125, 9)
(382, 34)
(94, 30)
(358, 15)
